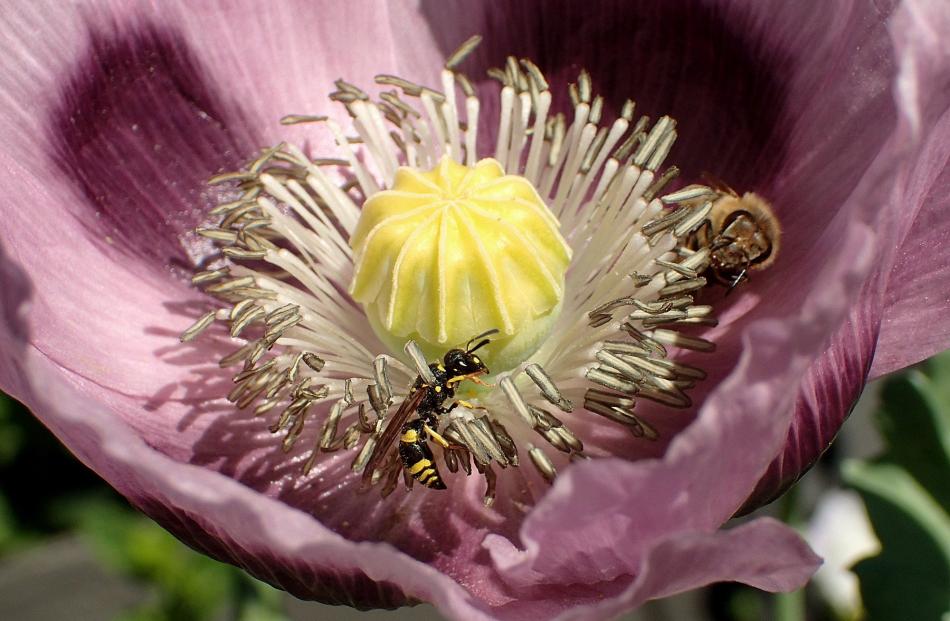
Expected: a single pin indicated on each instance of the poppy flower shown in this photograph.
(118, 113)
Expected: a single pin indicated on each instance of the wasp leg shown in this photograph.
(445, 409)
(477, 380)
(472, 377)
(471, 406)
(438, 439)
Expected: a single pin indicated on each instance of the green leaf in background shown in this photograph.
(909, 579)
(907, 494)
(62, 498)
(914, 420)
(11, 434)
(187, 586)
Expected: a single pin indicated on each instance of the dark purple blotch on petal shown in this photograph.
(681, 59)
(303, 580)
(139, 129)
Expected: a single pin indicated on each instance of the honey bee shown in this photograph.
(742, 234)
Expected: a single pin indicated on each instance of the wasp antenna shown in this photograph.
(468, 346)
(481, 344)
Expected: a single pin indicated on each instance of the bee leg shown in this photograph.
(739, 278)
(704, 234)
(723, 279)
(721, 242)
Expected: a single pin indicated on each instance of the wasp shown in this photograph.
(742, 234)
(428, 402)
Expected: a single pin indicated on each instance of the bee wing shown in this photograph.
(717, 184)
(393, 425)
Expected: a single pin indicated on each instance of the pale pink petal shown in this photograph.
(225, 519)
(91, 342)
(915, 322)
(115, 115)
(764, 553)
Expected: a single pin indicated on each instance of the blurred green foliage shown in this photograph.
(45, 492)
(907, 494)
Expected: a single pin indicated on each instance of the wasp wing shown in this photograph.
(393, 425)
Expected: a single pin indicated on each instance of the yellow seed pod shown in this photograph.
(449, 253)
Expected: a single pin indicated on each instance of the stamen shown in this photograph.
(209, 276)
(544, 420)
(490, 484)
(297, 238)
(461, 433)
(623, 415)
(548, 389)
(381, 374)
(419, 360)
(517, 401)
(362, 459)
(542, 463)
(379, 405)
(505, 441)
(669, 337)
(199, 326)
(484, 435)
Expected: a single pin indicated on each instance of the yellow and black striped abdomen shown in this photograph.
(417, 457)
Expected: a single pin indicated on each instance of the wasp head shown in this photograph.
(459, 362)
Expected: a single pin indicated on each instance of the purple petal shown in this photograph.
(139, 107)
(825, 398)
(899, 318)
(138, 132)
(15, 290)
(93, 354)
(915, 323)
(628, 507)
(225, 519)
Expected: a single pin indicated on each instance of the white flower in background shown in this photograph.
(841, 533)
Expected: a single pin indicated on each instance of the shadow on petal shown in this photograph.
(686, 60)
(16, 290)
